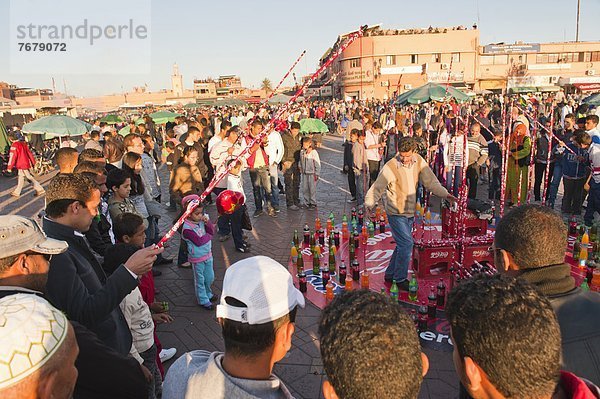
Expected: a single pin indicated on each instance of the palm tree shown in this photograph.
(266, 85)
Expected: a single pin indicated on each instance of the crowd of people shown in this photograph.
(88, 273)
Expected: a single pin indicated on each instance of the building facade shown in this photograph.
(387, 62)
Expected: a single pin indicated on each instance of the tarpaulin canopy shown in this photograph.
(429, 92)
(57, 126)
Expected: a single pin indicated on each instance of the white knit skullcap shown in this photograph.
(31, 331)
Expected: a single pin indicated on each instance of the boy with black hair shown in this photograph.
(257, 314)
(361, 325)
(507, 341)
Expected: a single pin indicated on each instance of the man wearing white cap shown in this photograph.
(257, 314)
(37, 349)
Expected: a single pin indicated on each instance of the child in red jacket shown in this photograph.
(21, 158)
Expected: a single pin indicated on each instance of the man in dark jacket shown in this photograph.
(24, 265)
(530, 243)
(290, 162)
(77, 285)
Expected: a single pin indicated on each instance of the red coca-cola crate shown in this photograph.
(451, 224)
(433, 261)
(478, 252)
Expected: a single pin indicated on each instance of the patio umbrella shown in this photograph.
(111, 119)
(126, 130)
(312, 125)
(161, 117)
(279, 99)
(192, 106)
(429, 92)
(594, 99)
(57, 126)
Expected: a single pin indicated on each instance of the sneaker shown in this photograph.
(257, 213)
(271, 212)
(224, 238)
(186, 265)
(246, 244)
(351, 200)
(208, 306)
(243, 250)
(167, 354)
(293, 208)
(276, 208)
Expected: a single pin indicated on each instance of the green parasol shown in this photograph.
(594, 99)
(429, 92)
(279, 99)
(161, 117)
(126, 130)
(230, 102)
(111, 119)
(312, 125)
(57, 126)
(192, 106)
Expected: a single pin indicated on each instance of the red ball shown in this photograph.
(228, 201)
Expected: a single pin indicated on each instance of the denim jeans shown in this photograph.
(223, 221)
(204, 276)
(361, 187)
(454, 179)
(556, 179)
(401, 227)
(274, 174)
(155, 386)
(260, 180)
(593, 204)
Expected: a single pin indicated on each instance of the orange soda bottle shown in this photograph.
(329, 292)
(583, 255)
(364, 279)
(317, 223)
(348, 285)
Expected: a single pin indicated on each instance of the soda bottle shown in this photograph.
(317, 223)
(345, 228)
(348, 285)
(364, 234)
(394, 291)
(381, 225)
(329, 294)
(294, 254)
(364, 279)
(352, 252)
(382, 291)
(300, 264)
(342, 276)
(302, 282)
(413, 289)
(423, 317)
(332, 218)
(573, 226)
(355, 267)
(596, 277)
(336, 238)
(371, 229)
(414, 317)
(296, 238)
(306, 236)
(325, 276)
(329, 226)
(432, 303)
(316, 264)
(361, 217)
(583, 254)
(322, 237)
(441, 293)
(584, 286)
(331, 260)
(377, 211)
(353, 213)
(356, 238)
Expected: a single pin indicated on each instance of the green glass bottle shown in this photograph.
(331, 260)
(316, 266)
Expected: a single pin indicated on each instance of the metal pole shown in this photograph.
(577, 28)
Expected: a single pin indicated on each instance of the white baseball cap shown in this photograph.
(264, 285)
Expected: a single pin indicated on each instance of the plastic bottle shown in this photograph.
(583, 254)
(351, 252)
(317, 223)
(294, 254)
(394, 291)
(302, 282)
(356, 239)
(329, 294)
(364, 279)
(584, 286)
(343, 272)
(332, 218)
(336, 238)
(413, 289)
(596, 277)
(296, 238)
(300, 263)
(371, 229)
(322, 237)
(423, 317)
(306, 236)
(325, 276)
(432, 303)
(316, 266)
(348, 285)
(361, 217)
(355, 267)
(381, 225)
(329, 226)
(441, 293)
(364, 235)
(345, 232)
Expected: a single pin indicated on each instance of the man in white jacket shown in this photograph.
(274, 150)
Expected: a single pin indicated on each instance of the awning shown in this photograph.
(587, 87)
(497, 84)
(523, 89)
(548, 88)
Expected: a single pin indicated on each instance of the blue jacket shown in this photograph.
(573, 168)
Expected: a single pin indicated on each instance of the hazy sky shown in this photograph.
(262, 38)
